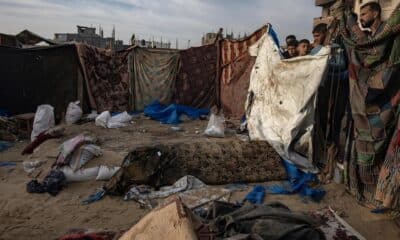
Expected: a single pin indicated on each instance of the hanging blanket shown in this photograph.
(196, 84)
(374, 74)
(154, 76)
(236, 65)
(281, 103)
(106, 77)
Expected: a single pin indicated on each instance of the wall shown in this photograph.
(30, 77)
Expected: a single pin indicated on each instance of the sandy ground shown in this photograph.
(41, 216)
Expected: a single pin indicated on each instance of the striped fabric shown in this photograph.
(236, 65)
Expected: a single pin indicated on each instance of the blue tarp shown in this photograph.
(5, 145)
(171, 114)
(298, 183)
(256, 196)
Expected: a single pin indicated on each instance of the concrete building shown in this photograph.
(89, 36)
(152, 44)
(387, 8)
(209, 38)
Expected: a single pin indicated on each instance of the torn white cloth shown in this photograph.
(281, 101)
(183, 184)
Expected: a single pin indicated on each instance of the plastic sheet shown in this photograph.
(171, 114)
(298, 183)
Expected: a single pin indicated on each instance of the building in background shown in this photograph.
(152, 44)
(208, 38)
(89, 36)
(326, 16)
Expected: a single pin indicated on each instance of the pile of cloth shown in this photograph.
(73, 155)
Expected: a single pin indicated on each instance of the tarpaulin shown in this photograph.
(281, 101)
(106, 77)
(236, 65)
(154, 76)
(171, 114)
(298, 183)
(196, 81)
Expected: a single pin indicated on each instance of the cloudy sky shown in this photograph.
(169, 19)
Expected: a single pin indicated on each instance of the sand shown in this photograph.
(41, 216)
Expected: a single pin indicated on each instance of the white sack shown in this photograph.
(215, 126)
(105, 172)
(74, 113)
(282, 94)
(93, 115)
(103, 119)
(119, 120)
(44, 120)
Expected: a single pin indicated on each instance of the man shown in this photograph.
(289, 39)
(304, 47)
(319, 34)
(370, 17)
(292, 49)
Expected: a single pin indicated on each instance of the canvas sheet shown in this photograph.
(154, 76)
(106, 77)
(196, 81)
(236, 65)
(281, 101)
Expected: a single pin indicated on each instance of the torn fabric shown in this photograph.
(281, 102)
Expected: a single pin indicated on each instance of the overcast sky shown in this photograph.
(169, 19)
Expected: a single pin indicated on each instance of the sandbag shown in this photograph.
(105, 173)
(44, 120)
(119, 120)
(215, 127)
(103, 119)
(80, 175)
(74, 113)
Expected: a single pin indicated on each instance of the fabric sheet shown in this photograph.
(281, 100)
(153, 78)
(196, 81)
(106, 77)
(374, 71)
(236, 65)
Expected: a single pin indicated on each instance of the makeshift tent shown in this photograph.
(196, 82)
(153, 76)
(106, 77)
(281, 101)
(35, 76)
(236, 64)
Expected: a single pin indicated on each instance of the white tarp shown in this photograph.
(281, 102)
